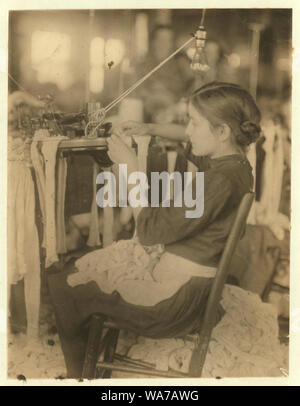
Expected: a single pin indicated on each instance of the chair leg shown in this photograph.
(199, 356)
(90, 361)
(275, 253)
(112, 340)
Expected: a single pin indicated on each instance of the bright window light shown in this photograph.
(50, 57)
(190, 52)
(114, 51)
(97, 51)
(234, 60)
(50, 47)
(141, 35)
(96, 79)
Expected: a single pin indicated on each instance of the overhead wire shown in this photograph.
(142, 80)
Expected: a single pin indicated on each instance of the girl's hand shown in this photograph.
(133, 128)
(120, 153)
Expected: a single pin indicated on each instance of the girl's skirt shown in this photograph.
(178, 315)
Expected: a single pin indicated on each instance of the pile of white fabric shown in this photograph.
(244, 344)
(125, 259)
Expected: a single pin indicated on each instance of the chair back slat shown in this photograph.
(199, 354)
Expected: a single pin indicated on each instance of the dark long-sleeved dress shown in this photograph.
(200, 240)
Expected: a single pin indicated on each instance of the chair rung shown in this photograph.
(141, 371)
(190, 337)
(138, 363)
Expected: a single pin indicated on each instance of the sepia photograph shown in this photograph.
(148, 193)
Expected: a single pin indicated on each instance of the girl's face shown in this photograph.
(204, 141)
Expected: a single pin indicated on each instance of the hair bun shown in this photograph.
(249, 133)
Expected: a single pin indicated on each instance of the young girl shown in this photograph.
(224, 120)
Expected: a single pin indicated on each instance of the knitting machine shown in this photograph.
(72, 125)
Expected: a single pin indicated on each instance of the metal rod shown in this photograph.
(203, 17)
(140, 81)
(256, 30)
(91, 24)
(15, 82)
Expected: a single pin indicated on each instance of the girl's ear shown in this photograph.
(224, 132)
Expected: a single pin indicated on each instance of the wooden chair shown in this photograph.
(96, 346)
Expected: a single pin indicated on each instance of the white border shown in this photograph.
(294, 377)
